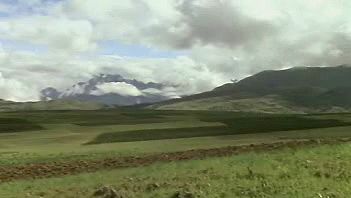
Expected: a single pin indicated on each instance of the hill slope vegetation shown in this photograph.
(295, 90)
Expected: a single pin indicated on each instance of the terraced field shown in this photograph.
(55, 144)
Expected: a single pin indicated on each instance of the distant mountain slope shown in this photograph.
(296, 90)
(110, 90)
(48, 105)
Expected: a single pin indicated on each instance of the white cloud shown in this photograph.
(120, 88)
(14, 90)
(169, 92)
(224, 39)
(59, 34)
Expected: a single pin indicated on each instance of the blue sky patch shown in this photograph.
(23, 46)
(4, 14)
(139, 51)
(21, 8)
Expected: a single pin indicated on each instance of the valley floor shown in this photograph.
(145, 153)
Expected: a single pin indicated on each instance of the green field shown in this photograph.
(55, 135)
(310, 172)
(34, 137)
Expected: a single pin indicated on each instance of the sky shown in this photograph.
(189, 45)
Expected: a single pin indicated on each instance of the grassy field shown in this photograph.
(231, 126)
(321, 171)
(62, 136)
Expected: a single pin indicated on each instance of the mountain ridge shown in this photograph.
(110, 90)
(306, 89)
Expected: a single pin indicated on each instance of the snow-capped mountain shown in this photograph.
(111, 90)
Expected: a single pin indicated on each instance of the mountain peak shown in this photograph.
(111, 89)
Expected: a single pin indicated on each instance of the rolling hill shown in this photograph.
(295, 90)
(48, 105)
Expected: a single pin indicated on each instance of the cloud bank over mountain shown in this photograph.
(189, 45)
(121, 88)
(112, 90)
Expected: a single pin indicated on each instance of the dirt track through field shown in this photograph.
(54, 169)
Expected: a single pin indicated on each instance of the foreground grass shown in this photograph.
(321, 171)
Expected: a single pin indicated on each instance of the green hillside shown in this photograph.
(295, 90)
